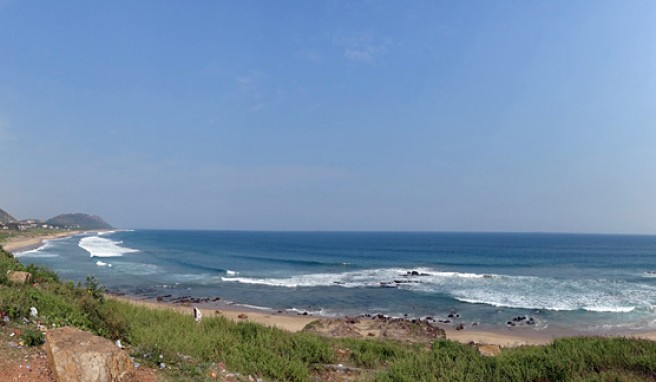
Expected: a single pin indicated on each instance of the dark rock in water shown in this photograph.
(510, 323)
(530, 321)
(454, 315)
(519, 318)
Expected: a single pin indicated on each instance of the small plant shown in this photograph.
(32, 337)
(93, 288)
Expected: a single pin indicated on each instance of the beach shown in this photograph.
(24, 243)
(296, 320)
(502, 337)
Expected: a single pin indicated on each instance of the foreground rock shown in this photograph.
(77, 356)
(18, 277)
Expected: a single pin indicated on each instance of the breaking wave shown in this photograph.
(100, 247)
(38, 252)
(523, 292)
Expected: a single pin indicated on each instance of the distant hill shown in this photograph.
(5, 217)
(79, 220)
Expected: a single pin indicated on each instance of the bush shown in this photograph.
(32, 337)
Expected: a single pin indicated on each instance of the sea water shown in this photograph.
(587, 282)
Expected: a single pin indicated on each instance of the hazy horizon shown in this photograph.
(328, 116)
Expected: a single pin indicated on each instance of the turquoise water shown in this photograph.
(593, 282)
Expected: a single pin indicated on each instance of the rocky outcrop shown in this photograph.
(5, 217)
(77, 356)
(18, 277)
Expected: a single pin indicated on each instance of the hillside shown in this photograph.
(79, 220)
(5, 217)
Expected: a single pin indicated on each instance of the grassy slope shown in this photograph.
(193, 349)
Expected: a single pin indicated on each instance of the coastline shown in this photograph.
(502, 337)
(294, 322)
(26, 243)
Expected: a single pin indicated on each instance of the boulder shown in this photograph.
(77, 356)
(18, 277)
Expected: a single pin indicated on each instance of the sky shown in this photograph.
(518, 116)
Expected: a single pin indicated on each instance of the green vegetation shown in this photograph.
(192, 349)
(32, 232)
(79, 221)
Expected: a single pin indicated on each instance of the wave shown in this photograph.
(103, 264)
(38, 252)
(190, 265)
(107, 233)
(521, 292)
(311, 263)
(100, 247)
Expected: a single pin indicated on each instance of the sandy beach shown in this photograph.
(24, 243)
(294, 323)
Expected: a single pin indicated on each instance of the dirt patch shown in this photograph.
(19, 362)
(381, 327)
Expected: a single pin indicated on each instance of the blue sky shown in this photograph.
(332, 115)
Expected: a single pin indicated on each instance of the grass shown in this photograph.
(192, 349)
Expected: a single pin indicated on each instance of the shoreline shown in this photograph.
(502, 337)
(26, 243)
(295, 322)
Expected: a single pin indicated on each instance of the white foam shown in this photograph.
(38, 252)
(102, 264)
(613, 309)
(523, 292)
(231, 273)
(106, 233)
(100, 247)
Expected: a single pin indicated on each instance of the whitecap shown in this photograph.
(611, 309)
(102, 264)
(522, 292)
(38, 252)
(101, 247)
(231, 273)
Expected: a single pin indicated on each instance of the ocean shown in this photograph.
(567, 281)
